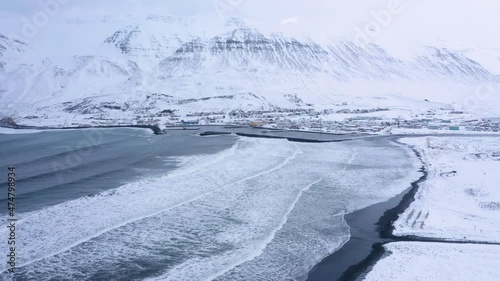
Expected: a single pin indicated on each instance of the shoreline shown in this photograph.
(360, 253)
(156, 130)
(371, 228)
(316, 137)
(250, 135)
(439, 251)
(386, 226)
(382, 230)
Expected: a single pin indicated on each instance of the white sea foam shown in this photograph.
(264, 208)
(9, 131)
(131, 202)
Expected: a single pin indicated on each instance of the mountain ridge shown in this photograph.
(233, 60)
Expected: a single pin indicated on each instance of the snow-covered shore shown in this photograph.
(437, 261)
(9, 131)
(459, 201)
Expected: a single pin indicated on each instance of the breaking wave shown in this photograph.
(265, 208)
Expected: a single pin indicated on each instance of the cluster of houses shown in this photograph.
(482, 125)
(311, 120)
(356, 121)
(354, 111)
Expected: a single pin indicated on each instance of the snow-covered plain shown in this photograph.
(407, 261)
(405, 131)
(460, 200)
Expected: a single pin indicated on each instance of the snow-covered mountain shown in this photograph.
(248, 50)
(11, 45)
(195, 64)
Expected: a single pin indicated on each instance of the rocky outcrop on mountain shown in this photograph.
(248, 50)
(157, 38)
(8, 122)
(195, 69)
(9, 44)
(443, 62)
(122, 39)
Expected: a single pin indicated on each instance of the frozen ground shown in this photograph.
(460, 200)
(437, 261)
(425, 131)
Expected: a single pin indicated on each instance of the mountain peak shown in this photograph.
(236, 23)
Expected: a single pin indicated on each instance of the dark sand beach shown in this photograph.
(370, 229)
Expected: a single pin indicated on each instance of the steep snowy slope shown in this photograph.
(145, 65)
(10, 48)
(10, 45)
(156, 37)
(249, 50)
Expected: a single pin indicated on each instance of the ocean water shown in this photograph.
(183, 207)
(57, 166)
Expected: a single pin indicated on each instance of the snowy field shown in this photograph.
(425, 131)
(460, 200)
(437, 261)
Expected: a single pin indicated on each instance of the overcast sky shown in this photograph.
(458, 21)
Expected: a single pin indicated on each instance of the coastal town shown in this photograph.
(328, 121)
(337, 121)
